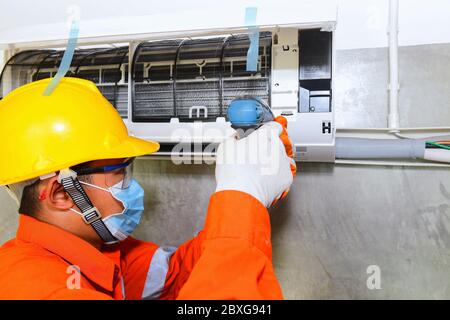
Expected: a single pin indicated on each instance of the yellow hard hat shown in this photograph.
(75, 124)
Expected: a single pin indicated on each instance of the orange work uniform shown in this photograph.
(231, 258)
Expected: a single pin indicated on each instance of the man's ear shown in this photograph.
(53, 193)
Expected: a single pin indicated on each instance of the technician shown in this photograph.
(67, 158)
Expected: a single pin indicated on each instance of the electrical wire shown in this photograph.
(438, 145)
(435, 147)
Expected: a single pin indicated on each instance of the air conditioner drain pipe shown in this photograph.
(360, 148)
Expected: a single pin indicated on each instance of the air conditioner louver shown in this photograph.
(196, 79)
(105, 66)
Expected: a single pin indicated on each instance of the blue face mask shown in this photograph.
(122, 224)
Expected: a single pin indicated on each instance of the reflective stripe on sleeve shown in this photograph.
(157, 272)
(123, 288)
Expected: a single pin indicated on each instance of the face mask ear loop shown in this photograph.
(77, 212)
(94, 186)
(68, 179)
(107, 190)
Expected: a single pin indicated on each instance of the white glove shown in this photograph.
(257, 164)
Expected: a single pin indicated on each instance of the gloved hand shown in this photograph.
(260, 164)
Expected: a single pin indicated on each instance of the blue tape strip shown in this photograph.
(252, 53)
(66, 60)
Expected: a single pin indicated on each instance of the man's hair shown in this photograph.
(29, 203)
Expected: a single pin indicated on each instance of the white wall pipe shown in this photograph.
(439, 155)
(359, 148)
(393, 114)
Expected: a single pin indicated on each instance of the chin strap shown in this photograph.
(68, 179)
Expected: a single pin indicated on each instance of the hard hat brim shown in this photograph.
(128, 148)
(132, 147)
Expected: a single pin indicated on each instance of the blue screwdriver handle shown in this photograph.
(247, 114)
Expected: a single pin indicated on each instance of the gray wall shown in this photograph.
(339, 219)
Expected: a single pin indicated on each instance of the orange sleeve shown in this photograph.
(231, 258)
(136, 256)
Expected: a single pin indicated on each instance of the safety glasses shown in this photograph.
(116, 175)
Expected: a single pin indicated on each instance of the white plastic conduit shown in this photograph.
(393, 116)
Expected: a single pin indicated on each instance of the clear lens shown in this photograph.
(128, 175)
(119, 178)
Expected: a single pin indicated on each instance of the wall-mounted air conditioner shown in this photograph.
(179, 89)
(171, 75)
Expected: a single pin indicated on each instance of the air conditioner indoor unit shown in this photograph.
(172, 75)
(178, 89)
